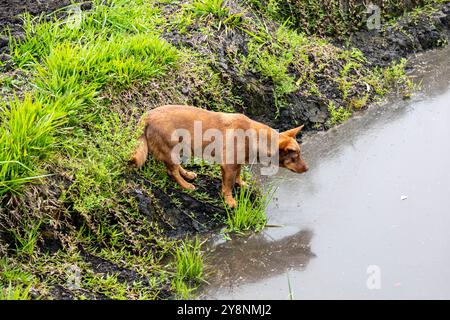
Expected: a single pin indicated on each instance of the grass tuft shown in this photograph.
(338, 115)
(216, 8)
(15, 292)
(189, 261)
(250, 213)
(26, 137)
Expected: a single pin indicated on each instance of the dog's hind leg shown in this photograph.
(174, 171)
(187, 174)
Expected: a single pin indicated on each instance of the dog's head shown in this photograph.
(290, 156)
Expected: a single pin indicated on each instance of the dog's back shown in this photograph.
(162, 122)
(169, 118)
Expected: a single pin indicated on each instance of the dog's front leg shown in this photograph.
(228, 179)
(241, 183)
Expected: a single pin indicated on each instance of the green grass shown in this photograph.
(189, 261)
(11, 273)
(395, 77)
(15, 284)
(338, 115)
(68, 76)
(296, 63)
(189, 268)
(112, 287)
(65, 124)
(26, 137)
(42, 33)
(11, 292)
(272, 57)
(216, 8)
(26, 242)
(211, 8)
(250, 212)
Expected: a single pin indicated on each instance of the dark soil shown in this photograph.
(410, 35)
(10, 11)
(189, 217)
(59, 292)
(105, 267)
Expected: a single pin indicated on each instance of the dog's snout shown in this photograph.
(306, 168)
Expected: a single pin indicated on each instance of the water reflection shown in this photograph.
(259, 257)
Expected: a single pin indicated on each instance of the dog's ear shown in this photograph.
(285, 144)
(293, 132)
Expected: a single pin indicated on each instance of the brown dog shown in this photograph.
(158, 139)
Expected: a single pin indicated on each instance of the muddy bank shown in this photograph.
(409, 35)
(119, 225)
(178, 213)
(335, 18)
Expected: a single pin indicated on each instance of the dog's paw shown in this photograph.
(190, 175)
(231, 202)
(241, 183)
(189, 186)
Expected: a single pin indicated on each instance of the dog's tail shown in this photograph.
(140, 154)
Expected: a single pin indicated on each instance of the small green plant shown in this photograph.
(26, 240)
(108, 284)
(12, 273)
(189, 261)
(250, 212)
(15, 283)
(337, 115)
(18, 292)
(357, 103)
(216, 8)
(395, 76)
(272, 61)
(182, 289)
(68, 76)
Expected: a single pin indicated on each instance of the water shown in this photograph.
(344, 231)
